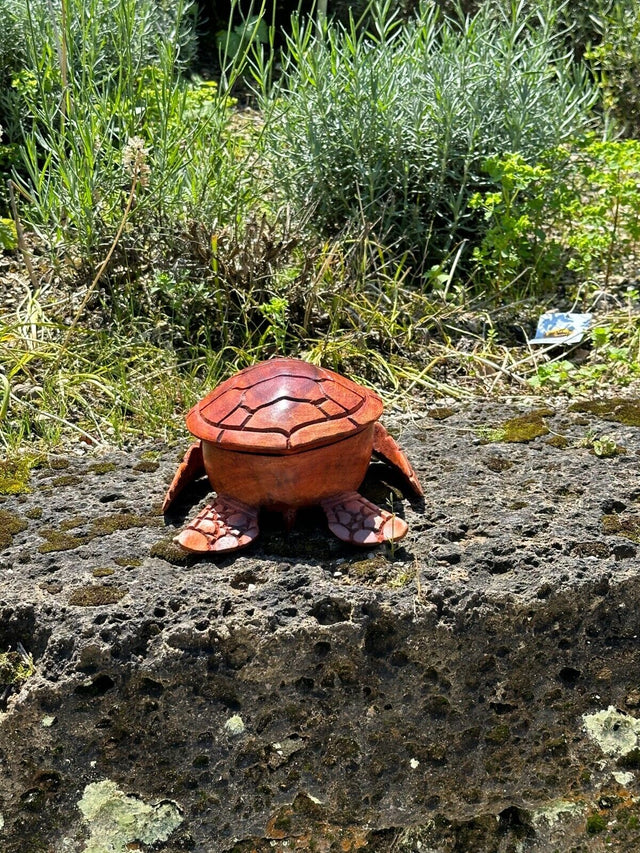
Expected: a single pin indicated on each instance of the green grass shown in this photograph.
(393, 212)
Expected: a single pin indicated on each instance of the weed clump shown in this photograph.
(15, 667)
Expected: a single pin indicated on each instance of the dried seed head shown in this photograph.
(134, 160)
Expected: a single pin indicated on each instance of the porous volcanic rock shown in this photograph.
(474, 688)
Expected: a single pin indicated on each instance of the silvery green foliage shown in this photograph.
(391, 128)
(99, 24)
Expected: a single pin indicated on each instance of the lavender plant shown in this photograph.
(389, 129)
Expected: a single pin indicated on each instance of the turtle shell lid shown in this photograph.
(283, 406)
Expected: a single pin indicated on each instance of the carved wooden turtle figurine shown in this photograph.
(285, 434)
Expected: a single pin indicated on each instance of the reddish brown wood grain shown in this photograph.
(283, 406)
(285, 434)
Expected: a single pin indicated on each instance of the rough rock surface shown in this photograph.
(474, 689)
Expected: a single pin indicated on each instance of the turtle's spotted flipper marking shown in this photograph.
(356, 520)
(223, 525)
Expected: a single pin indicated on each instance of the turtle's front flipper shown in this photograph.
(390, 452)
(191, 467)
(223, 525)
(354, 519)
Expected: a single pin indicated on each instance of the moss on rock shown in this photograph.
(498, 734)
(596, 823)
(168, 550)
(101, 467)
(618, 409)
(559, 441)
(66, 480)
(107, 524)
(10, 524)
(624, 525)
(519, 430)
(591, 549)
(57, 463)
(146, 466)
(440, 413)
(96, 595)
(14, 475)
(59, 540)
(498, 464)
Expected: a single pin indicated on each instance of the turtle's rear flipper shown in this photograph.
(356, 520)
(223, 525)
(191, 467)
(390, 452)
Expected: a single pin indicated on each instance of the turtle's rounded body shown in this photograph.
(285, 434)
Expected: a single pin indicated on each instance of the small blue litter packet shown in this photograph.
(555, 327)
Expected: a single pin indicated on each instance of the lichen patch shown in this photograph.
(616, 733)
(552, 813)
(234, 725)
(117, 820)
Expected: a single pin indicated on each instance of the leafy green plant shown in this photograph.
(275, 311)
(574, 215)
(238, 39)
(16, 667)
(8, 234)
(602, 216)
(516, 246)
(615, 58)
(389, 129)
